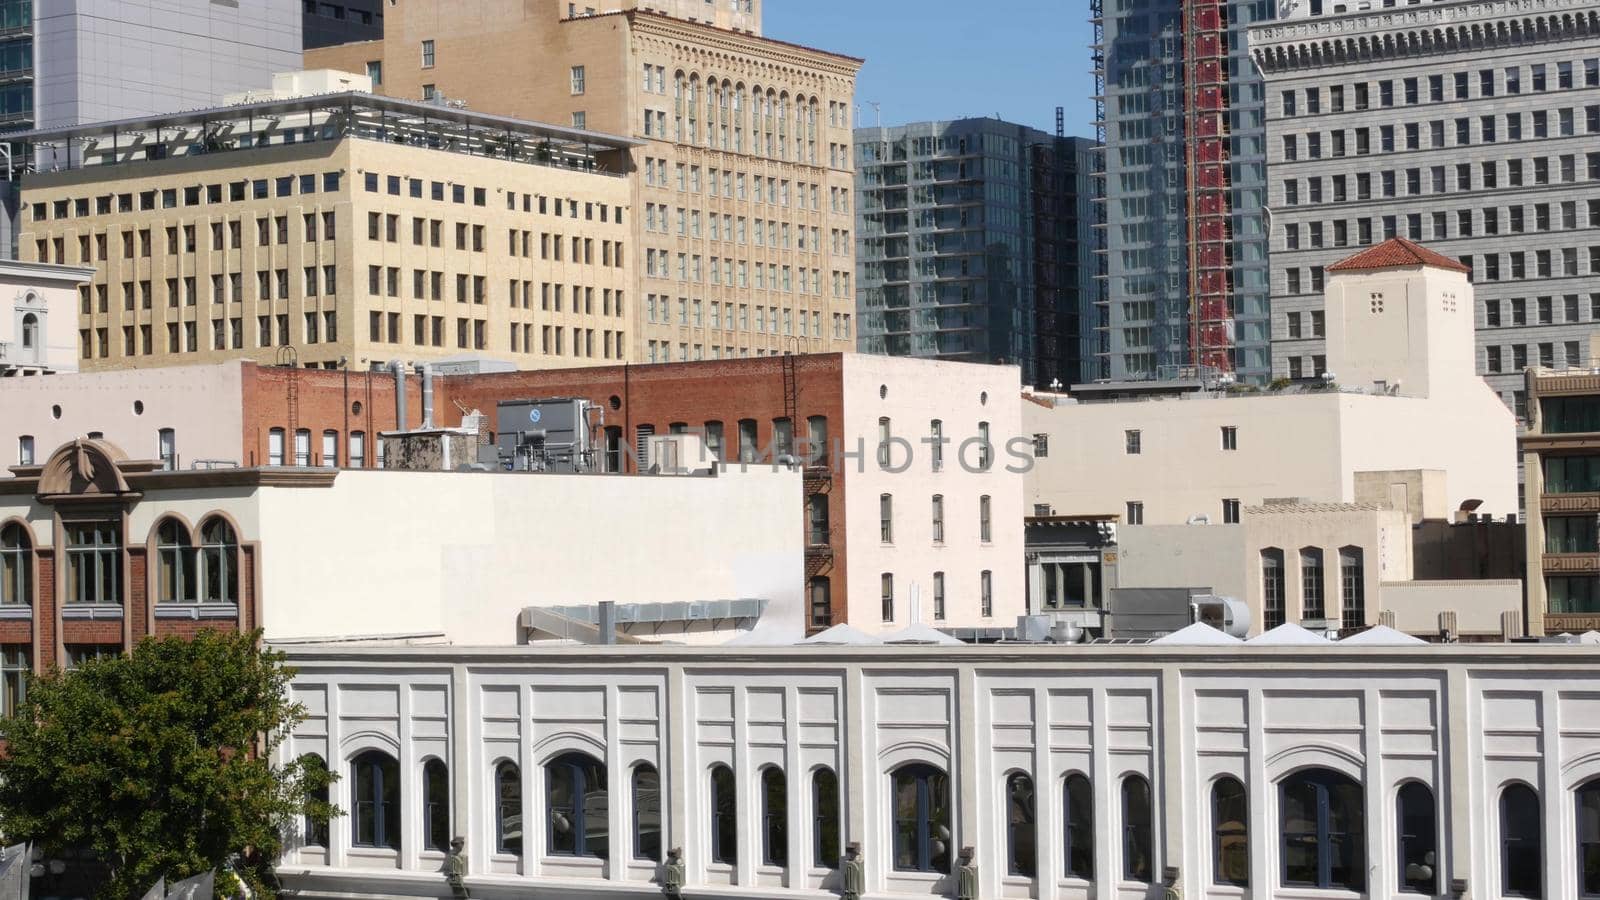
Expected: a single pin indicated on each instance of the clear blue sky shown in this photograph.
(947, 59)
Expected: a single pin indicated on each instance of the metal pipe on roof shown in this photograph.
(426, 371)
(398, 369)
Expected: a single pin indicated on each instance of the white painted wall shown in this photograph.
(912, 393)
(462, 554)
(202, 404)
(1289, 445)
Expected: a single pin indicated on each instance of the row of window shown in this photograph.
(733, 229)
(225, 288)
(1516, 310)
(691, 313)
(818, 506)
(1497, 360)
(729, 185)
(1542, 124)
(718, 270)
(725, 118)
(471, 236)
(985, 596)
(1564, 262)
(896, 454)
(1322, 819)
(1465, 85)
(1133, 438)
(189, 196)
(184, 337)
(530, 203)
(1313, 587)
(186, 571)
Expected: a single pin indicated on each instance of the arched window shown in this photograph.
(376, 790)
(1272, 606)
(1230, 811)
(1588, 806)
(825, 818)
(1136, 849)
(1021, 834)
(1521, 843)
(30, 331)
(1323, 822)
(175, 564)
(508, 809)
(436, 805)
(1419, 838)
(1077, 802)
(576, 798)
(774, 818)
(724, 817)
(1352, 588)
(646, 813)
(921, 819)
(219, 563)
(1312, 587)
(16, 566)
(316, 823)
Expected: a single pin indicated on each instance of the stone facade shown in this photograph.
(740, 133)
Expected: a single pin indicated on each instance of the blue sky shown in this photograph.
(945, 59)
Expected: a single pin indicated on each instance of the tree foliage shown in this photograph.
(160, 763)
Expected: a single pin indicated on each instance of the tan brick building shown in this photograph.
(340, 227)
(742, 184)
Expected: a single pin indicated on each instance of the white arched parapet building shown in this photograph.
(1074, 771)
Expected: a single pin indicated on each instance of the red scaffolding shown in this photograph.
(1205, 54)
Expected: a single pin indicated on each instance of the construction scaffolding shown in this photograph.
(1205, 52)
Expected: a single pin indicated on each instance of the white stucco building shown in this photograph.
(1402, 396)
(39, 320)
(1266, 769)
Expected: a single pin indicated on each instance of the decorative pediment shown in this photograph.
(85, 469)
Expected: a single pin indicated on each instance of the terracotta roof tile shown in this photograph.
(1396, 253)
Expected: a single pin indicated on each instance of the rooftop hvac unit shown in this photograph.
(1228, 615)
(551, 435)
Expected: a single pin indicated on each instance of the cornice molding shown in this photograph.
(1362, 38)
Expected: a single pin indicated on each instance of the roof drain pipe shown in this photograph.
(398, 369)
(426, 371)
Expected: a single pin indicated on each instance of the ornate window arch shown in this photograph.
(724, 816)
(175, 563)
(920, 796)
(1323, 822)
(774, 817)
(1417, 828)
(1137, 847)
(16, 565)
(825, 824)
(1022, 825)
(576, 801)
(375, 800)
(435, 805)
(1521, 842)
(219, 561)
(1077, 806)
(1230, 832)
(646, 786)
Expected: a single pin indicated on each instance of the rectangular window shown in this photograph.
(1135, 514)
(1230, 511)
(427, 54)
(986, 593)
(94, 563)
(1230, 437)
(886, 518)
(888, 596)
(1132, 442)
(16, 665)
(578, 79)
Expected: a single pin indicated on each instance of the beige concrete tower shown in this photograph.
(742, 190)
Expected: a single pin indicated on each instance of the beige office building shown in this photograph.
(742, 184)
(340, 227)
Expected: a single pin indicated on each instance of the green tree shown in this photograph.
(160, 763)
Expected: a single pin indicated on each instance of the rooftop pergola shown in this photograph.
(323, 117)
